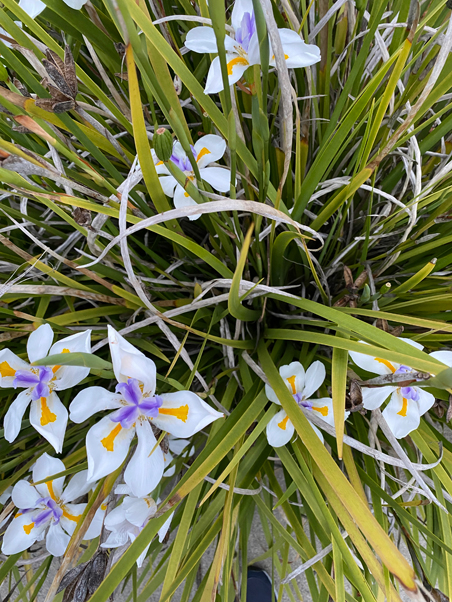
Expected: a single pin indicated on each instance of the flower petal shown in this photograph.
(21, 534)
(24, 495)
(208, 149)
(443, 356)
(92, 400)
(95, 528)
(57, 540)
(145, 469)
(425, 401)
(107, 446)
(218, 177)
(296, 51)
(271, 395)
(67, 377)
(183, 414)
(76, 4)
(402, 415)
(295, 377)
(318, 432)
(33, 8)
(46, 466)
(71, 515)
(49, 417)
(236, 64)
(128, 362)
(76, 487)
(9, 364)
(168, 184)
(372, 364)
(13, 417)
(240, 8)
(280, 429)
(202, 40)
(323, 407)
(165, 527)
(183, 199)
(374, 397)
(315, 375)
(39, 341)
(140, 511)
(177, 446)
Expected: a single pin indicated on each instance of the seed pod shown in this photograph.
(163, 144)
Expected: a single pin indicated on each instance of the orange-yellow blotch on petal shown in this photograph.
(46, 414)
(6, 370)
(404, 409)
(181, 413)
(70, 516)
(28, 528)
(282, 425)
(109, 441)
(386, 363)
(238, 60)
(323, 410)
(202, 153)
(291, 381)
(55, 368)
(51, 491)
(286, 56)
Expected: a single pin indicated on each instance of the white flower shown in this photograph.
(302, 385)
(33, 8)
(45, 510)
(242, 51)
(137, 405)
(47, 414)
(407, 404)
(206, 150)
(179, 447)
(127, 520)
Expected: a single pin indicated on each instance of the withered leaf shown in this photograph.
(361, 280)
(22, 88)
(55, 59)
(58, 78)
(356, 396)
(81, 589)
(82, 216)
(71, 576)
(348, 277)
(69, 71)
(382, 325)
(449, 410)
(97, 572)
(62, 107)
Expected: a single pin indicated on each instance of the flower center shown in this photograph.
(183, 162)
(38, 379)
(136, 404)
(244, 33)
(52, 512)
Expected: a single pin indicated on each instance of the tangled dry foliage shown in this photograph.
(338, 231)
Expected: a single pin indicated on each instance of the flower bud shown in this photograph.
(163, 144)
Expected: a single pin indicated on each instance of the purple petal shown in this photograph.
(150, 406)
(40, 390)
(25, 379)
(126, 416)
(43, 517)
(130, 391)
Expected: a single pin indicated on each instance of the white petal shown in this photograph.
(208, 149)
(183, 414)
(271, 395)
(107, 445)
(165, 527)
(168, 458)
(413, 343)
(142, 556)
(24, 495)
(218, 177)
(46, 466)
(375, 396)
(254, 57)
(77, 486)
(402, 417)
(9, 363)
(116, 517)
(280, 429)
(76, 4)
(57, 540)
(315, 375)
(72, 513)
(123, 490)
(183, 199)
(318, 432)
(95, 528)
(297, 53)
(4, 497)
(145, 470)
(21, 534)
(168, 184)
(372, 364)
(70, 376)
(128, 362)
(33, 8)
(49, 417)
(140, 511)
(13, 417)
(295, 377)
(39, 341)
(442, 356)
(324, 408)
(177, 446)
(201, 39)
(240, 8)
(425, 401)
(116, 539)
(237, 65)
(92, 400)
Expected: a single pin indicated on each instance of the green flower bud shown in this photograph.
(163, 144)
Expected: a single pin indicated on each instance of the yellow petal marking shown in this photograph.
(282, 425)
(202, 153)
(159, 163)
(386, 363)
(286, 56)
(55, 368)
(103, 507)
(6, 370)
(109, 441)
(404, 409)
(323, 410)
(51, 491)
(291, 382)
(46, 414)
(238, 60)
(28, 528)
(181, 412)
(70, 516)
